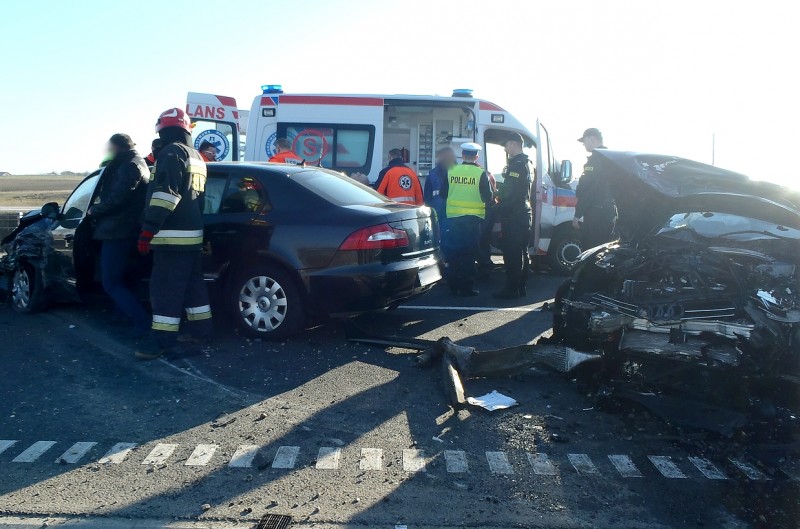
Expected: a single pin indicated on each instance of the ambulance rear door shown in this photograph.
(216, 120)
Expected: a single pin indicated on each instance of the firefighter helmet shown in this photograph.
(174, 117)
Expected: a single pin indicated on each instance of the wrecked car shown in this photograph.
(281, 244)
(700, 298)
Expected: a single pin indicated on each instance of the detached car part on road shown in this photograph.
(283, 242)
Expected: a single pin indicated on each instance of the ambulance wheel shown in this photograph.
(27, 290)
(267, 303)
(564, 251)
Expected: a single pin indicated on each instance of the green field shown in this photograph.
(31, 191)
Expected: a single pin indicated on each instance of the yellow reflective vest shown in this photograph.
(464, 194)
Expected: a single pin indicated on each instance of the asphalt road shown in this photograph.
(337, 434)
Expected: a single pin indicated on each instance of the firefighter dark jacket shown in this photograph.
(175, 199)
(122, 193)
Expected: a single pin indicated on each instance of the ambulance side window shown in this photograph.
(341, 147)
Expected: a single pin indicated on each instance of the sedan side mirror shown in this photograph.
(566, 171)
(50, 210)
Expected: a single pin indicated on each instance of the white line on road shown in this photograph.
(159, 454)
(75, 452)
(371, 459)
(201, 455)
(456, 461)
(328, 458)
(243, 456)
(707, 468)
(33, 452)
(5, 444)
(413, 460)
(286, 457)
(498, 463)
(541, 465)
(583, 464)
(527, 308)
(667, 468)
(117, 454)
(625, 466)
(749, 470)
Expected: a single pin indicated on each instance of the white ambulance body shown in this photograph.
(354, 133)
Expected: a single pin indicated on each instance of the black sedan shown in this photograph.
(284, 244)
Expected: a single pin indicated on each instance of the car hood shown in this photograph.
(648, 188)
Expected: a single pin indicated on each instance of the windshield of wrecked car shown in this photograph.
(726, 226)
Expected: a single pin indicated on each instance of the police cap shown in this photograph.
(590, 132)
(471, 149)
(513, 136)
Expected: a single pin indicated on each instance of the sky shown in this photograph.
(654, 76)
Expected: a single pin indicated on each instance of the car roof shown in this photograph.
(285, 168)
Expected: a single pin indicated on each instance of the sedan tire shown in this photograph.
(27, 291)
(266, 303)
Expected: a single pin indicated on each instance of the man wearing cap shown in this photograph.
(466, 192)
(595, 201)
(514, 210)
(116, 215)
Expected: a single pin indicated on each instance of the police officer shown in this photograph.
(466, 191)
(595, 200)
(173, 228)
(514, 211)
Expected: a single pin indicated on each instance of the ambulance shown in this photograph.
(353, 134)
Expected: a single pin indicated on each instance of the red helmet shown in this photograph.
(174, 117)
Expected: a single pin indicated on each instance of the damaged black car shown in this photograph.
(699, 300)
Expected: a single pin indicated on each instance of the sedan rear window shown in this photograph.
(338, 189)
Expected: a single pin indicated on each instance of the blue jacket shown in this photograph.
(433, 189)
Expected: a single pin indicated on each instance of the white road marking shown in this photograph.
(456, 461)
(33, 452)
(707, 468)
(413, 460)
(583, 464)
(625, 466)
(159, 454)
(243, 456)
(5, 444)
(749, 470)
(667, 468)
(201, 455)
(328, 458)
(117, 454)
(498, 463)
(371, 459)
(527, 308)
(286, 457)
(75, 452)
(541, 465)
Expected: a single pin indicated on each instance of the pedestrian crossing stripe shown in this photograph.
(498, 463)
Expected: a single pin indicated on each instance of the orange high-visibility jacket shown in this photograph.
(286, 157)
(401, 184)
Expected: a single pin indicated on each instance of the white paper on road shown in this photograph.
(492, 401)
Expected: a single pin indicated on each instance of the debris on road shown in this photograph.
(493, 401)
(222, 421)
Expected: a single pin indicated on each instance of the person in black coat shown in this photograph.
(596, 203)
(117, 220)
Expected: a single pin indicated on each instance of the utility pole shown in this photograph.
(713, 148)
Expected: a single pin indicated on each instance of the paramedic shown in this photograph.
(284, 153)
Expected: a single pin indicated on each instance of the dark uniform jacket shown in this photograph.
(594, 195)
(122, 193)
(175, 199)
(514, 197)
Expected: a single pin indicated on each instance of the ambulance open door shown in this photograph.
(216, 120)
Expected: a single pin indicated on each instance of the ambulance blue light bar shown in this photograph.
(462, 92)
(271, 89)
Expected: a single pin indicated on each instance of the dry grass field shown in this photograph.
(31, 191)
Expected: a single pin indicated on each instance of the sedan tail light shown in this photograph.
(379, 237)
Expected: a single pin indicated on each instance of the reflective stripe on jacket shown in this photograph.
(464, 193)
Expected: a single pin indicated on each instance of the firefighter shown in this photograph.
(467, 192)
(173, 229)
(514, 211)
(284, 153)
(155, 146)
(595, 200)
(401, 184)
